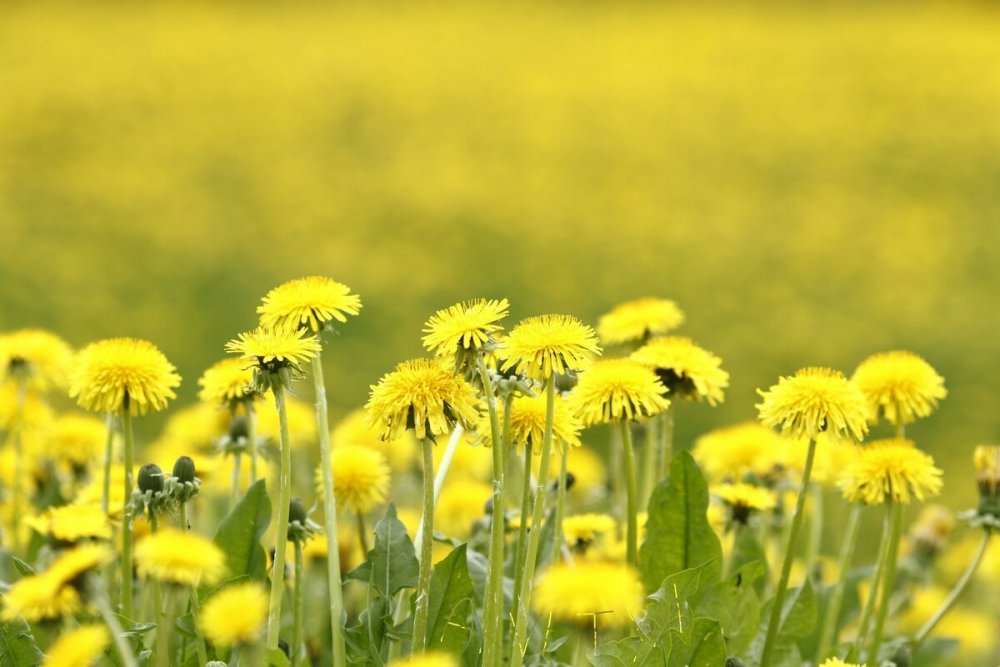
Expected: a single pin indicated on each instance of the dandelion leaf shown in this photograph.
(17, 645)
(735, 603)
(391, 564)
(240, 533)
(450, 603)
(798, 619)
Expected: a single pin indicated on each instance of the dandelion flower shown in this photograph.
(429, 659)
(812, 401)
(837, 662)
(71, 523)
(576, 594)
(180, 558)
(28, 412)
(891, 469)
(123, 373)
(37, 358)
(639, 319)
(744, 499)
(617, 389)
(79, 560)
(688, 371)
(40, 597)
(900, 386)
(462, 502)
(987, 461)
(79, 647)
(423, 395)
(354, 429)
(466, 326)
(77, 439)
(583, 529)
(226, 382)
(274, 349)
(731, 452)
(527, 423)
(548, 345)
(360, 478)
(307, 303)
(234, 616)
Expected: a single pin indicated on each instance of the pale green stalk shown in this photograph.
(869, 608)
(193, 597)
(493, 603)
(18, 485)
(299, 606)
(557, 539)
(235, 494)
(815, 543)
(666, 441)
(108, 453)
(426, 539)
(162, 631)
(115, 628)
(889, 582)
(650, 462)
(251, 437)
(828, 634)
(281, 534)
(522, 529)
(632, 534)
(129, 446)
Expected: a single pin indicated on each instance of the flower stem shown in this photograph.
(956, 592)
(828, 634)
(251, 438)
(129, 446)
(235, 495)
(537, 512)
(362, 533)
(299, 606)
(632, 535)
(869, 608)
(557, 539)
(522, 529)
(786, 567)
(650, 462)
(281, 534)
(117, 633)
(108, 453)
(889, 579)
(493, 603)
(666, 442)
(426, 539)
(329, 516)
(17, 433)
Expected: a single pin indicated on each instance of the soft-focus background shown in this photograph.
(811, 184)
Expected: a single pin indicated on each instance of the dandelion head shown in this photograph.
(744, 499)
(639, 319)
(899, 386)
(813, 401)
(360, 478)
(35, 358)
(617, 389)
(72, 523)
(182, 558)
(40, 597)
(890, 470)
(548, 345)
(583, 530)
(123, 373)
(235, 616)
(76, 439)
(78, 561)
(307, 303)
(465, 328)
(78, 647)
(227, 382)
(732, 452)
(687, 370)
(272, 350)
(527, 423)
(611, 592)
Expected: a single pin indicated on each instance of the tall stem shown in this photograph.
(666, 441)
(815, 541)
(18, 485)
(869, 608)
(117, 634)
(493, 603)
(281, 534)
(193, 597)
(786, 568)
(362, 533)
(299, 606)
(650, 461)
(889, 580)
(426, 539)
(537, 512)
(108, 453)
(129, 446)
(632, 536)
(558, 538)
(251, 437)
(329, 516)
(828, 634)
(235, 493)
(522, 529)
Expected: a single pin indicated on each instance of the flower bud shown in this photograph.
(238, 428)
(150, 478)
(184, 469)
(987, 461)
(297, 511)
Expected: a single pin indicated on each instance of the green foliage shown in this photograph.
(451, 603)
(240, 533)
(734, 602)
(17, 645)
(797, 620)
(391, 565)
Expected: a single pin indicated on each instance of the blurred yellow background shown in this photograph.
(811, 184)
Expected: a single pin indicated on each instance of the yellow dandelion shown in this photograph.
(29, 412)
(35, 358)
(235, 616)
(892, 469)
(744, 499)
(639, 319)
(354, 429)
(307, 303)
(123, 373)
(71, 523)
(899, 386)
(77, 439)
(986, 458)
(976, 631)
(576, 594)
(812, 401)
(423, 395)
(429, 659)
(469, 460)
(731, 452)
(527, 423)
(587, 468)
(581, 530)
(40, 597)
(464, 327)
(77, 561)
(360, 478)
(462, 503)
(79, 647)
(617, 389)
(548, 345)
(837, 662)
(274, 349)
(179, 557)
(227, 382)
(302, 429)
(687, 370)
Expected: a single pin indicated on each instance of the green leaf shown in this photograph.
(22, 568)
(240, 533)
(701, 645)
(277, 658)
(391, 564)
(17, 645)
(747, 548)
(678, 535)
(735, 604)
(797, 620)
(450, 603)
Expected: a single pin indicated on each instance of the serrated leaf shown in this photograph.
(678, 535)
(391, 564)
(240, 533)
(798, 619)
(450, 603)
(735, 604)
(17, 645)
(701, 646)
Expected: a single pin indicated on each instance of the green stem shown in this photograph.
(235, 495)
(129, 446)
(649, 462)
(537, 512)
(522, 529)
(115, 628)
(815, 543)
(362, 533)
(889, 581)
(956, 592)
(19, 478)
(559, 537)
(200, 640)
(786, 568)
(329, 516)
(493, 603)
(666, 442)
(108, 453)
(281, 534)
(632, 535)
(869, 608)
(162, 633)
(251, 437)
(299, 607)
(828, 634)
(426, 540)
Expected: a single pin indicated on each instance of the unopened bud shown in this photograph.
(150, 478)
(184, 469)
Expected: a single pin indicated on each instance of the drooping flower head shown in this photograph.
(78, 647)
(527, 423)
(617, 389)
(890, 470)
(744, 499)
(228, 382)
(307, 303)
(119, 373)
(360, 478)
(813, 401)
(548, 345)
(235, 616)
(36, 358)
(899, 386)
(576, 594)
(421, 394)
(462, 330)
(638, 320)
(181, 558)
(687, 370)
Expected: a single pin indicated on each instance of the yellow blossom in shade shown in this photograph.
(77, 439)
(274, 349)
(744, 499)
(527, 423)
(575, 593)
(421, 394)
(307, 303)
(40, 597)
(78, 647)
(462, 503)
(899, 386)
(470, 460)
(687, 370)
(78, 560)
(234, 616)
(588, 471)
(110, 371)
(177, 557)
(70, 523)
(639, 319)
(35, 358)
(583, 529)
(429, 659)
(892, 469)
(837, 662)
(353, 429)
(731, 452)
(548, 345)
(92, 492)
(302, 428)
(617, 389)
(29, 412)
(226, 382)
(466, 326)
(360, 478)
(976, 631)
(812, 401)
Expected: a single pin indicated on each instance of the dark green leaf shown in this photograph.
(747, 548)
(23, 568)
(700, 645)
(391, 564)
(240, 533)
(277, 658)
(798, 619)
(450, 603)
(678, 535)
(735, 604)
(17, 645)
